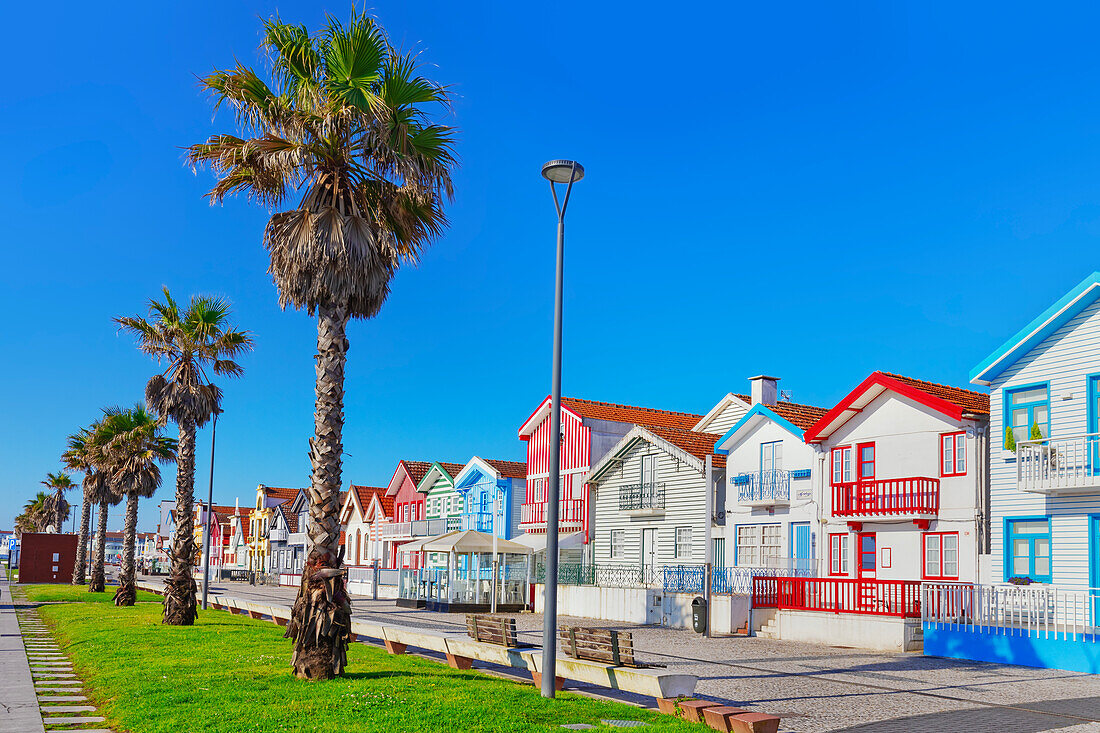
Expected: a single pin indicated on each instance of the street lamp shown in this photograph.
(209, 516)
(567, 172)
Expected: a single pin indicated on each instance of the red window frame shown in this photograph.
(957, 439)
(838, 542)
(924, 560)
(838, 453)
(860, 462)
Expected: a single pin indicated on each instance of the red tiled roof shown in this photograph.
(801, 416)
(509, 469)
(646, 416)
(699, 445)
(280, 493)
(417, 469)
(452, 469)
(364, 493)
(968, 400)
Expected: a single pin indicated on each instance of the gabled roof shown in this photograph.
(438, 470)
(1046, 323)
(490, 467)
(953, 402)
(415, 470)
(592, 410)
(360, 497)
(686, 445)
(280, 493)
(793, 418)
(719, 408)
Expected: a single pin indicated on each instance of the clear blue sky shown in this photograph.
(808, 190)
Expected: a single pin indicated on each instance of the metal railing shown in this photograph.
(415, 528)
(1059, 464)
(886, 497)
(603, 575)
(839, 595)
(570, 513)
(771, 487)
(1048, 612)
(642, 496)
(724, 580)
(477, 521)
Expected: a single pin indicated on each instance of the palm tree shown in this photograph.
(344, 127)
(41, 511)
(76, 457)
(100, 494)
(132, 448)
(60, 482)
(192, 341)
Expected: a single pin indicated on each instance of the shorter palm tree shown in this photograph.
(133, 446)
(76, 458)
(41, 511)
(60, 482)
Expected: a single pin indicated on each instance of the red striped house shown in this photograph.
(588, 430)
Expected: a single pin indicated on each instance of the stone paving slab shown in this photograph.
(54, 709)
(62, 698)
(73, 720)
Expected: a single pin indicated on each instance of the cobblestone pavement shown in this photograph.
(818, 688)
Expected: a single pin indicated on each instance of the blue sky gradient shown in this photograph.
(809, 190)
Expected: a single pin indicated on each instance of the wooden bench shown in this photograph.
(499, 630)
(599, 645)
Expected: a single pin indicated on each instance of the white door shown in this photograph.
(649, 477)
(649, 553)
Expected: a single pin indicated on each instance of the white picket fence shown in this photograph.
(1044, 611)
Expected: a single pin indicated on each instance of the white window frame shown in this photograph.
(682, 545)
(618, 543)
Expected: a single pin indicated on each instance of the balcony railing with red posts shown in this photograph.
(839, 595)
(570, 512)
(886, 497)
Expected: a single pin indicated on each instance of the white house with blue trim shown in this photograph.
(771, 506)
(1045, 494)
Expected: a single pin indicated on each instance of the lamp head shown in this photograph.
(559, 171)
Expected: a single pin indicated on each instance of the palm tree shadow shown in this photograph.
(378, 675)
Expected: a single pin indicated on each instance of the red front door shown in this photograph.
(866, 554)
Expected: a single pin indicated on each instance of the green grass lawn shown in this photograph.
(229, 674)
(48, 592)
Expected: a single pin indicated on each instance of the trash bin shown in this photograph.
(699, 615)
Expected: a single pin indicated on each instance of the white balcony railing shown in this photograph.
(278, 535)
(1059, 465)
(1001, 610)
(396, 529)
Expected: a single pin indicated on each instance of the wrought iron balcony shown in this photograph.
(638, 497)
(1066, 465)
(763, 488)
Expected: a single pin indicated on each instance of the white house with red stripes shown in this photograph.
(904, 467)
(589, 429)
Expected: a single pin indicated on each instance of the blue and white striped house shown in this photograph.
(1039, 604)
(492, 494)
(1045, 494)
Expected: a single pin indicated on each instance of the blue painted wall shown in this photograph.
(1074, 653)
(480, 492)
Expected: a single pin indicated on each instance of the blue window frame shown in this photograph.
(1025, 406)
(1027, 548)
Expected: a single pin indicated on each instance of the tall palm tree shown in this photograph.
(60, 482)
(193, 341)
(344, 126)
(101, 495)
(132, 447)
(76, 457)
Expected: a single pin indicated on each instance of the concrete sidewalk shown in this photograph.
(18, 701)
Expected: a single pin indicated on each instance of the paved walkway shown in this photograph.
(18, 701)
(818, 688)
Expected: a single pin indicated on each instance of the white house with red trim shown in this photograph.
(589, 429)
(772, 510)
(904, 471)
(365, 510)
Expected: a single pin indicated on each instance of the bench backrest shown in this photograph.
(598, 645)
(499, 630)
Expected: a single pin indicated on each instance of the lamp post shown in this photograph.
(567, 172)
(209, 516)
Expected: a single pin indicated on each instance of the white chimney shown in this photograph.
(765, 389)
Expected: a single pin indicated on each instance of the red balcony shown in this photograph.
(570, 514)
(885, 499)
(839, 595)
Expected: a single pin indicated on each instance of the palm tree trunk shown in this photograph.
(59, 499)
(126, 593)
(79, 577)
(97, 584)
(179, 590)
(320, 621)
